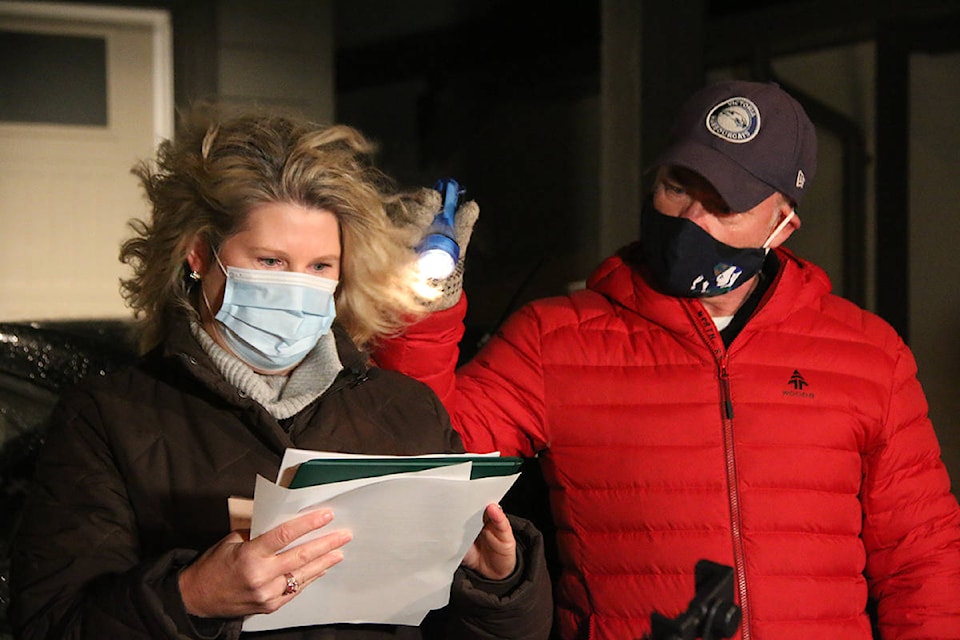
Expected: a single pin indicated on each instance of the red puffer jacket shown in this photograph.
(801, 455)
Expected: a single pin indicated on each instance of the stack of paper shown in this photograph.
(410, 531)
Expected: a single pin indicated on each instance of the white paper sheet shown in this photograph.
(410, 532)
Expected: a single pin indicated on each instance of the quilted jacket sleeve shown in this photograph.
(76, 568)
(496, 400)
(428, 350)
(911, 520)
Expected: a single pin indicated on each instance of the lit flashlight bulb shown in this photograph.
(439, 250)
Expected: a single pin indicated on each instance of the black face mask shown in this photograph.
(688, 262)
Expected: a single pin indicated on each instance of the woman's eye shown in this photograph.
(270, 262)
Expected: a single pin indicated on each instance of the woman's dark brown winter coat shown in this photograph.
(133, 483)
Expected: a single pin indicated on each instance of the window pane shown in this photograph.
(53, 78)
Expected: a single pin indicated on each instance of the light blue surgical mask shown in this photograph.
(272, 319)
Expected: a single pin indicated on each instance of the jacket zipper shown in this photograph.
(711, 337)
(733, 496)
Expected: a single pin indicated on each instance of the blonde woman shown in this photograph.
(267, 267)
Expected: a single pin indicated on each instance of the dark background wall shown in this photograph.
(548, 112)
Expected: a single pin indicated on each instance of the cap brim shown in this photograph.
(739, 188)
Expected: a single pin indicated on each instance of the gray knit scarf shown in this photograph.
(281, 395)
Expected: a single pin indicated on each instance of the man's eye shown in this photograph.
(718, 207)
(673, 188)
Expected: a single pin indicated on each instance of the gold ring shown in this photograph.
(292, 585)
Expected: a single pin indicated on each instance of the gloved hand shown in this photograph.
(416, 211)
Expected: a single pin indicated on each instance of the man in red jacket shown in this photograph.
(706, 397)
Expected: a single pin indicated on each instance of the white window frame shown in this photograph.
(157, 20)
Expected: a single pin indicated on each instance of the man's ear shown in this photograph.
(198, 254)
(788, 222)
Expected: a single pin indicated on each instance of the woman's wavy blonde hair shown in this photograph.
(219, 167)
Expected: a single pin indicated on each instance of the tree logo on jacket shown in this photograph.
(798, 384)
(797, 381)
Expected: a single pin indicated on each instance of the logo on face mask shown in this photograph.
(724, 277)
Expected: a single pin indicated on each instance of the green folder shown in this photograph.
(325, 470)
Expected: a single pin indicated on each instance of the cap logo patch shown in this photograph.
(734, 120)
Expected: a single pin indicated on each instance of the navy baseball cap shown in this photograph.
(748, 139)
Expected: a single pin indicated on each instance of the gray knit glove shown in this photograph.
(417, 210)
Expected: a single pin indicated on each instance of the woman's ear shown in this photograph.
(198, 255)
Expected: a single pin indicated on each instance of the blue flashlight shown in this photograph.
(439, 250)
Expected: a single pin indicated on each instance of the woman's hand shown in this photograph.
(238, 577)
(494, 552)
